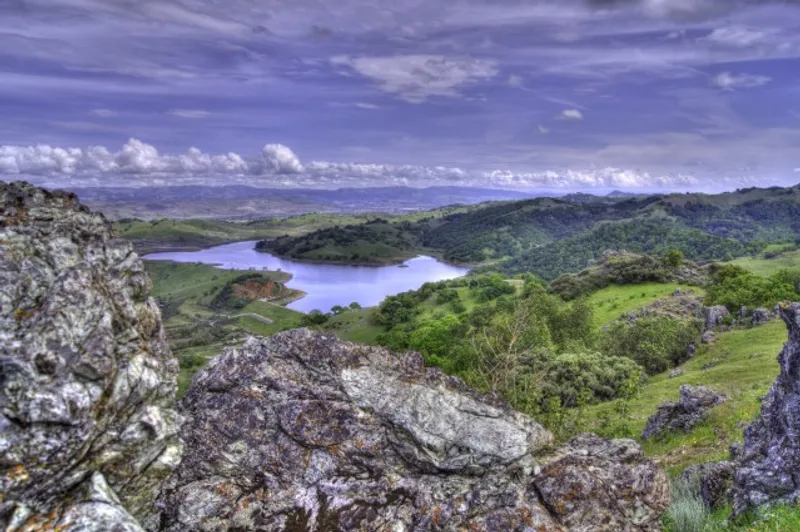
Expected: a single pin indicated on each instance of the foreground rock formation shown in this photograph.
(304, 432)
(770, 460)
(87, 381)
(694, 402)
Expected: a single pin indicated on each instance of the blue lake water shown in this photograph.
(326, 284)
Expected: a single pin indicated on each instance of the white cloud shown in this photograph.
(570, 114)
(189, 113)
(543, 130)
(363, 105)
(281, 159)
(103, 113)
(728, 81)
(415, 78)
(738, 36)
(515, 81)
(140, 164)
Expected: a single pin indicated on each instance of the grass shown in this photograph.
(616, 300)
(355, 326)
(193, 280)
(766, 267)
(742, 364)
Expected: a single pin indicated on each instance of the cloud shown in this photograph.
(140, 164)
(515, 81)
(415, 78)
(570, 114)
(738, 36)
(189, 113)
(281, 159)
(103, 113)
(363, 105)
(543, 130)
(728, 81)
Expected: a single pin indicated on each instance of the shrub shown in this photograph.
(572, 376)
(686, 513)
(654, 342)
(734, 287)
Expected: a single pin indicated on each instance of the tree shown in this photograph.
(354, 305)
(674, 258)
(315, 317)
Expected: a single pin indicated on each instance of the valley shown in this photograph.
(597, 349)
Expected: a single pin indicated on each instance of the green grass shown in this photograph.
(193, 280)
(744, 367)
(616, 300)
(355, 326)
(766, 267)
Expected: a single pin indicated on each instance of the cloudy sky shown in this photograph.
(564, 94)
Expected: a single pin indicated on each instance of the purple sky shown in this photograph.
(569, 94)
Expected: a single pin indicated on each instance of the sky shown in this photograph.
(535, 94)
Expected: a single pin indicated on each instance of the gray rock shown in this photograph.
(709, 337)
(691, 350)
(761, 316)
(743, 312)
(304, 432)
(770, 459)
(714, 481)
(88, 381)
(694, 402)
(715, 316)
(677, 372)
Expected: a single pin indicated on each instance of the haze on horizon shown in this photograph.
(530, 95)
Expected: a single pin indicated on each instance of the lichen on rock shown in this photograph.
(87, 381)
(302, 431)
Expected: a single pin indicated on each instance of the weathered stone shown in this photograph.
(694, 402)
(691, 350)
(714, 481)
(715, 316)
(761, 316)
(304, 432)
(709, 337)
(677, 372)
(770, 460)
(87, 380)
(743, 312)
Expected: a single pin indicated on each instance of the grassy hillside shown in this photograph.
(549, 236)
(617, 300)
(768, 265)
(199, 322)
(168, 235)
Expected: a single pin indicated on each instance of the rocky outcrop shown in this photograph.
(694, 402)
(761, 316)
(681, 304)
(714, 481)
(770, 460)
(87, 427)
(715, 316)
(304, 432)
(260, 289)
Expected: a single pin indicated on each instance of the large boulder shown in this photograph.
(761, 316)
(694, 402)
(770, 460)
(87, 381)
(304, 432)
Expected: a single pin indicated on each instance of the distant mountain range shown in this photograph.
(244, 202)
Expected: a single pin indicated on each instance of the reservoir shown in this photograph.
(326, 284)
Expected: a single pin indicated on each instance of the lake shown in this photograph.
(326, 284)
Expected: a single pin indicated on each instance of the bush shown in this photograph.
(735, 287)
(315, 317)
(656, 343)
(577, 378)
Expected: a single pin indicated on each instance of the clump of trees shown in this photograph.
(734, 287)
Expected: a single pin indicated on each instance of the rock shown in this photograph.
(304, 432)
(735, 451)
(87, 382)
(743, 312)
(715, 482)
(677, 372)
(715, 316)
(761, 316)
(709, 337)
(691, 350)
(694, 402)
(770, 459)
